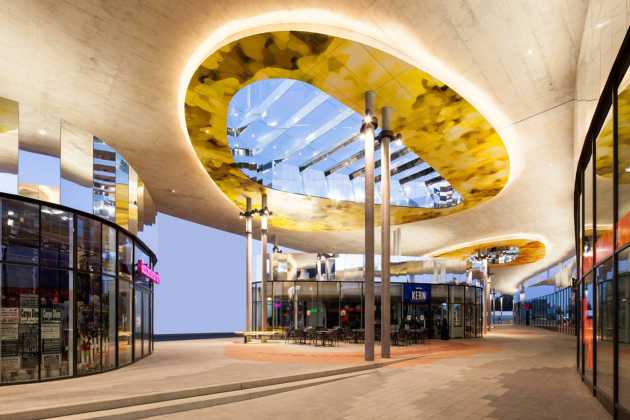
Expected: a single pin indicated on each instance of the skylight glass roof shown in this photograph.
(290, 136)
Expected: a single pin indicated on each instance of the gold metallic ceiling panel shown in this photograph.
(436, 123)
(529, 251)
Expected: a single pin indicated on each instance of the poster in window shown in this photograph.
(51, 330)
(51, 346)
(8, 348)
(28, 338)
(29, 360)
(9, 331)
(28, 301)
(51, 315)
(29, 315)
(51, 361)
(10, 363)
(9, 315)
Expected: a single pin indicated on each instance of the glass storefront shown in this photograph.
(67, 281)
(602, 231)
(330, 304)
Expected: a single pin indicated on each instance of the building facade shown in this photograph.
(76, 278)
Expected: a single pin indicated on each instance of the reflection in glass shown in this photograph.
(137, 325)
(19, 351)
(624, 328)
(55, 295)
(88, 244)
(104, 176)
(351, 312)
(122, 192)
(605, 328)
(623, 170)
(108, 255)
(108, 317)
(88, 304)
(329, 297)
(57, 232)
(125, 291)
(20, 231)
(603, 188)
(587, 244)
(39, 155)
(76, 168)
(587, 325)
(125, 256)
(133, 201)
(8, 146)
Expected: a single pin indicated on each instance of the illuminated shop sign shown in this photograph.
(417, 293)
(148, 273)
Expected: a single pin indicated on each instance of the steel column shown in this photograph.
(249, 271)
(385, 233)
(368, 286)
(263, 267)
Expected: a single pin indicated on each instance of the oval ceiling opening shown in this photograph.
(290, 136)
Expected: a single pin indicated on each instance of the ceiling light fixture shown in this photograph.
(530, 51)
(42, 132)
(627, 170)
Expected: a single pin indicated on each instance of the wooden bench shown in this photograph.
(263, 336)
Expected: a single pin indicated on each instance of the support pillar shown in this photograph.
(385, 232)
(368, 283)
(249, 271)
(263, 254)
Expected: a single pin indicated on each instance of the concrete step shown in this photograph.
(144, 411)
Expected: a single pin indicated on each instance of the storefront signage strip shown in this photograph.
(146, 271)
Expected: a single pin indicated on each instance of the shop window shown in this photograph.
(587, 243)
(57, 234)
(88, 304)
(20, 232)
(109, 250)
(125, 317)
(137, 324)
(624, 328)
(456, 312)
(88, 244)
(19, 326)
(125, 256)
(351, 307)
(329, 298)
(283, 304)
(55, 294)
(146, 335)
(605, 328)
(469, 320)
(623, 170)
(308, 305)
(604, 191)
(439, 309)
(587, 324)
(108, 317)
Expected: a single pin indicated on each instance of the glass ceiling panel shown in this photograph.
(290, 136)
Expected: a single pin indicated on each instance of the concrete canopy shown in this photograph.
(121, 71)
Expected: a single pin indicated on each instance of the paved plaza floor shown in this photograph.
(511, 374)
(514, 373)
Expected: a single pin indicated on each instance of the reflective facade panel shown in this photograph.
(104, 192)
(76, 167)
(122, 192)
(39, 155)
(8, 146)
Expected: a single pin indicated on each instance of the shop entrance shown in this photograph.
(417, 315)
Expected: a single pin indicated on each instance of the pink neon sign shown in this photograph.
(146, 271)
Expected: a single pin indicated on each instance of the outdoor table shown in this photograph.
(358, 333)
